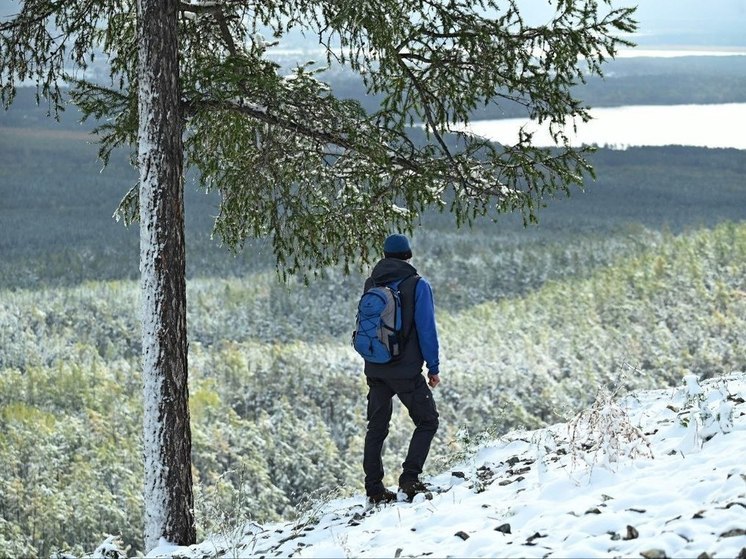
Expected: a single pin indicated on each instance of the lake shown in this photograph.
(716, 126)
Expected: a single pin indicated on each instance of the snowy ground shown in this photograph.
(657, 474)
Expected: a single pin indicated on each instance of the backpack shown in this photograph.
(378, 335)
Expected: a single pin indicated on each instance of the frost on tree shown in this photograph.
(169, 501)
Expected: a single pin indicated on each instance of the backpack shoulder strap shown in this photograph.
(407, 289)
(409, 282)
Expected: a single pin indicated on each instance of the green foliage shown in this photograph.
(69, 449)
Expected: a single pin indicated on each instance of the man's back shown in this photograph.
(402, 275)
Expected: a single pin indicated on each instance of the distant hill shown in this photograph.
(56, 207)
(627, 81)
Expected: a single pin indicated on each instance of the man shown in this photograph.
(403, 376)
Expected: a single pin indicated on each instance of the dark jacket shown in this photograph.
(418, 313)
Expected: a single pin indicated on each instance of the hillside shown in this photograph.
(654, 474)
(566, 321)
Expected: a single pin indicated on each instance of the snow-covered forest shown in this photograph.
(266, 380)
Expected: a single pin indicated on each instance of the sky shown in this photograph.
(673, 22)
(653, 474)
(695, 22)
(698, 22)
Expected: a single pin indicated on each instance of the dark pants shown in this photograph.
(415, 394)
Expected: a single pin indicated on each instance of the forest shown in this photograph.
(634, 281)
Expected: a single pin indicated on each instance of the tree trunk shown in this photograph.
(169, 501)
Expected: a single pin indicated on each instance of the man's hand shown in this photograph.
(433, 380)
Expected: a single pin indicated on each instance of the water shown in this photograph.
(715, 126)
(667, 52)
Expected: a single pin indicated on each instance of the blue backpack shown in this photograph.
(378, 335)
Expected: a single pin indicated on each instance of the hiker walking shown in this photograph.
(415, 344)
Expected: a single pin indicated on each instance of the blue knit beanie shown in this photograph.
(397, 246)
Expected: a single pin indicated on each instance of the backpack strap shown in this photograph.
(407, 290)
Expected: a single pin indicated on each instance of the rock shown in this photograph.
(741, 554)
(654, 554)
(733, 533)
(460, 475)
(536, 536)
(593, 510)
(734, 503)
(463, 535)
(485, 475)
(704, 555)
(504, 528)
(632, 533)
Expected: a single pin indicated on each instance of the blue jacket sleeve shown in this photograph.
(424, 319)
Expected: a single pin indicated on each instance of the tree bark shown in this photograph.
(169, 501)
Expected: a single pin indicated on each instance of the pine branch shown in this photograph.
(297, 127)
(217, 10)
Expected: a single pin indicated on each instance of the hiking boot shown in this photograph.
(414, 487)
(381, 498)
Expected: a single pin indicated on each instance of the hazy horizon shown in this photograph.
(661, 22)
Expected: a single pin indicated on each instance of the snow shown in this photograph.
(155, 485)
(164, 548)
(538, 494)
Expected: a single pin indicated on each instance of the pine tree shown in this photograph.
(319, 176)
